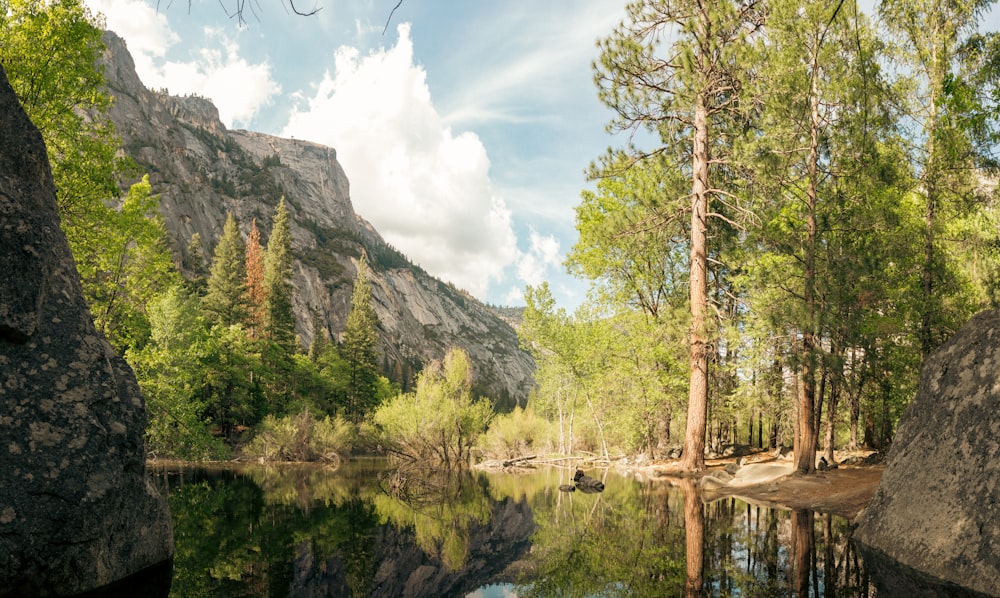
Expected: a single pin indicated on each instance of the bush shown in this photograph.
(301, 437)
(441, 421)
(517, 434)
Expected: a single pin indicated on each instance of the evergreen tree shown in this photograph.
(672, 69)
(358, 348)
(255, 295)
(193, 262)
(224, 301)
(936, 39)
(319, 340)
(278, 314)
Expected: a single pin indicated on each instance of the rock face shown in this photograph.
(201, 171)
(76, 511)
(937, 507)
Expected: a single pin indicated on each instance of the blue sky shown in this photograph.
(465, 129)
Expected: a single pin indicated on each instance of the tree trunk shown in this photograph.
(803, 544)
(805, 450)
(694, 537)
(694, 436)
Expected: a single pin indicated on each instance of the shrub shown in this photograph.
(301, 437)
(440, 422)
(516, 434)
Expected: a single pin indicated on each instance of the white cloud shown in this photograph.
(147, 31)
(426, 188)
(543, 254)
(238, 88)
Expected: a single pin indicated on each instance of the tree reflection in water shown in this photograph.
(366, 531)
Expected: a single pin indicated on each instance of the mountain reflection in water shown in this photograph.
(366, 529)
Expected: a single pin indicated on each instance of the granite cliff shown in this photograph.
(202, 170)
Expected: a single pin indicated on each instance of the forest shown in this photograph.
(805, 209)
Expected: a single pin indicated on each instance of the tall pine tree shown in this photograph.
(224, 301)
(672, 69)
(358, 348)
(279, 317)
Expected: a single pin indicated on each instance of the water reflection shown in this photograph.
(365, 530)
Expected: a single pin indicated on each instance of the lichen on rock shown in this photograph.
(76, 509)
(937, 507)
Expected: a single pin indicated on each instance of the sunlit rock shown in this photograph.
(937, 507)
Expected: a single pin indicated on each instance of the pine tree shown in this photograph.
(255, 295)
(194, 262)
(279, 317)
(226, 285)
(319, 340)
(688, 92)
(358, 348)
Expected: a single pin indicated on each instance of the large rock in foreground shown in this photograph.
(76, 510)
(937, 508)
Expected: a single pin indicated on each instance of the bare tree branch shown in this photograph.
(398, 4)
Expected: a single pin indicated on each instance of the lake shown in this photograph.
(366, 529)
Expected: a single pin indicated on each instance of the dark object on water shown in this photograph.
(586, 483)
(567, 488)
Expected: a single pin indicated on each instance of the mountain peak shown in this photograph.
(202, 171)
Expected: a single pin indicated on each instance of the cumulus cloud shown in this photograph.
(542, 255)
(425, 187)
(238, 88)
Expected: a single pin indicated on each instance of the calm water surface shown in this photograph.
(365, 529)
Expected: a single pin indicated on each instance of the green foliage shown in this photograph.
(609, 382)
(49, 53)
(224, 301)
(231, 385)
(301, 437)
(441, 421)
(632, 239)
(124, 260)
(169, 369)
(279, 316)
(358, 348)
(517, 434)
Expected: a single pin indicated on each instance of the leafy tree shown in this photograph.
(807, 77)
(50, 53)
(224, 301)
(169, 369)
(441, 421)
(632, 246)
(686, 92)
(933, 37)
(358, 348)
(124, 260)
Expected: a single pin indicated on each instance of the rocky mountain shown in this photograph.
(202, 170)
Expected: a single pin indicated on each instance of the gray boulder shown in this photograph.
(937, 506)
(76, 510)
